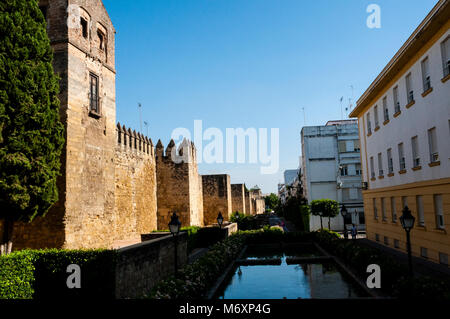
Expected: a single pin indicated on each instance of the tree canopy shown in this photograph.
(31, 133)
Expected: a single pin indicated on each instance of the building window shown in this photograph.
(420, 213)
(390, 161)
(415, 151)
(401, 157)
(432, 142)
(344, 170)
(380, 165)
(342, 146)
(396, 243)
(439, 211)
(386, 240)
(396, 101)
(369, 125)
(93, 94)
(445, 50)
(375, 212)
(426, 74)
(356, 146)
(385, 109)
(423, 252)
(84, 27)
(358, 170)
(383, 209)
(393, 210)
(377, 237)
(409, 90)
(443, 259)
(101, 40)
(375, 114)
(372, 168)
(361, 218)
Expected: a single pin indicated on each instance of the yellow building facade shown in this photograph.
(404, 129)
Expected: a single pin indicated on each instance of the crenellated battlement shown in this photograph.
(134, 141)
(185, 153)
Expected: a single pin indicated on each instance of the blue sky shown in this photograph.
(250, 63)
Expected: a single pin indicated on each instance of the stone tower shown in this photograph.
(179, 186)
(216, 197)
(82, 38)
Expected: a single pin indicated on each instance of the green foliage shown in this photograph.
(17, 276)
(193, 240)
(194, 280)
(297, 212)
(31, 131)
(245, 222)
(42, 274)
(272, 201)
(326, 207)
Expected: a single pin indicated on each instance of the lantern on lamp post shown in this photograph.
(220, 219)
(174, 227)
(407, 221)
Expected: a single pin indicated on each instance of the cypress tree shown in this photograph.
(31, 133)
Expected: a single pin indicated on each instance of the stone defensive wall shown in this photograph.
(179, 188)
(238, 198)
(216, 197)
(135, 185)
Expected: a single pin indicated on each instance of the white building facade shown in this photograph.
(404, 125)
(331, 169)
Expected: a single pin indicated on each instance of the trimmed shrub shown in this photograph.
(17, 275)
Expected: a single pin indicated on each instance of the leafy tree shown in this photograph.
(271, 201)
(31, 131)
(325, 208)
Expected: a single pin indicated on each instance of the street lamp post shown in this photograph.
(407, 221)
(174, 227)
(344, 213)
(220, 219)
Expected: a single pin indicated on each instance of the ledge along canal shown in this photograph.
(290, 271)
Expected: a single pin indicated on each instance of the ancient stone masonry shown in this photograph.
(135, 181)
(106, 188)
(248, 204)
(238, 198)
(257, 201)
(179, 188)
(216, 197)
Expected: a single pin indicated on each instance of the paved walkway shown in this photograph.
(421, 266)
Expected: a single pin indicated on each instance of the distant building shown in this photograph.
(331, 169)
(404, 122)
(291, 184)
(290, 175)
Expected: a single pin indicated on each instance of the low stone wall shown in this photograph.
(139, 267)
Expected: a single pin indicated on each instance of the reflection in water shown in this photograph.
(322, 280)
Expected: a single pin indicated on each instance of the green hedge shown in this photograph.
(41, 274)
(17, 276)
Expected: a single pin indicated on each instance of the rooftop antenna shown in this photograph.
(140, 115)
(146, 125)
(342, 114)
(304, 116)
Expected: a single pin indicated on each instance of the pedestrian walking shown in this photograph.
(354, 231)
